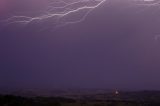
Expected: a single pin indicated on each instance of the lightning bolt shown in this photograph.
(63, 12)
(148, 2)
(58, 13)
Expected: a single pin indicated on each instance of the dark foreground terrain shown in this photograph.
(144, 98)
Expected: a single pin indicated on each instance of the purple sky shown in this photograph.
(116, 46)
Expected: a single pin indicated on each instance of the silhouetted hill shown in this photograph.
(138, 98)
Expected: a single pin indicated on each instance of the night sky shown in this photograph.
(117, 46)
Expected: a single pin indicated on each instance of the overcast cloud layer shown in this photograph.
(116, 46)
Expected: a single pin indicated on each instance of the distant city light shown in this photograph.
(116, 92)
